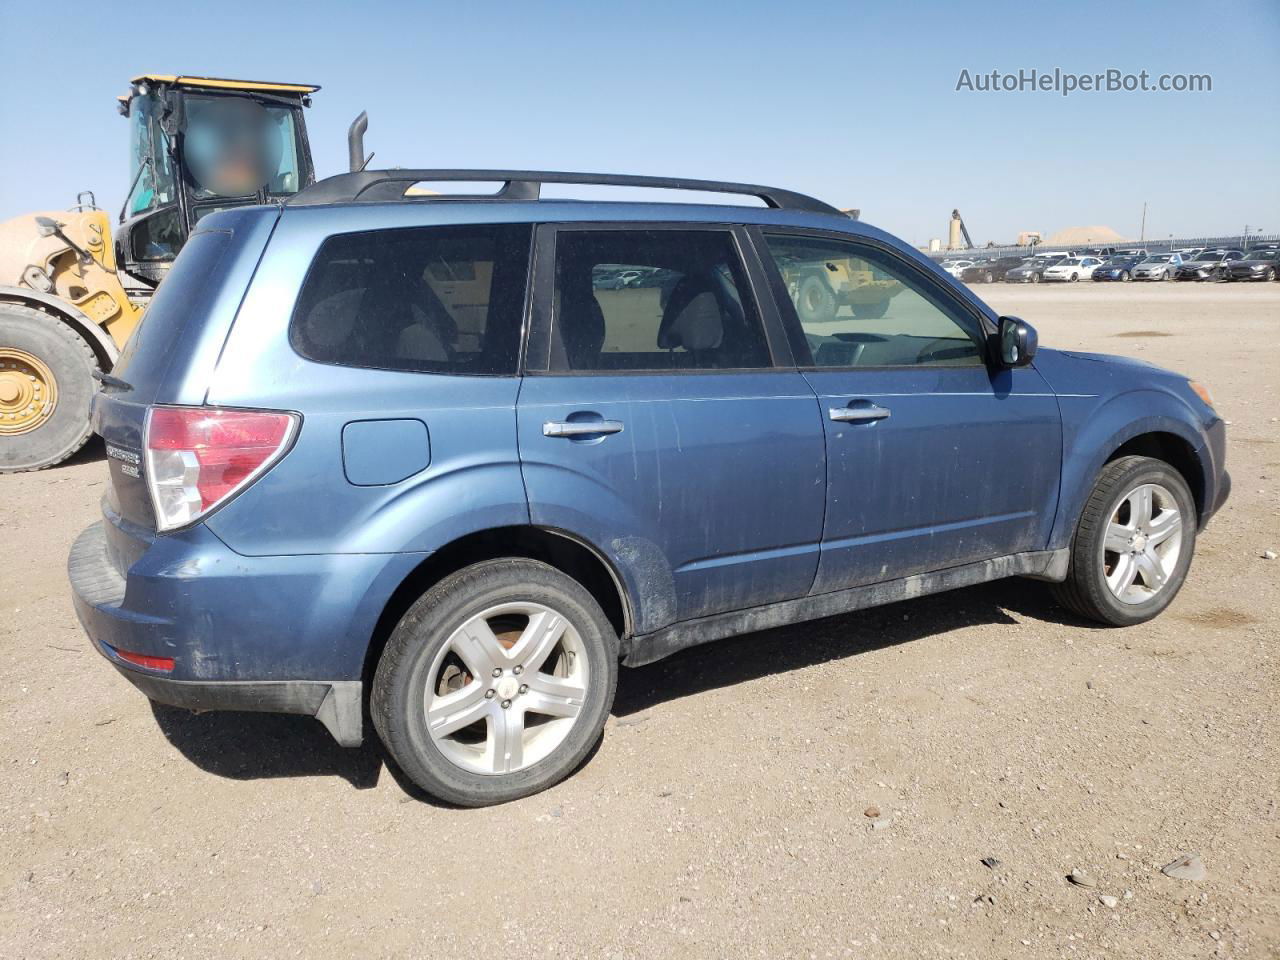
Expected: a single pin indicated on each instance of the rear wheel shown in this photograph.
(46, 383)
(1133, 543)
(497, 682)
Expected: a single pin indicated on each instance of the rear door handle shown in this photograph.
(580, 428)
(864, 412)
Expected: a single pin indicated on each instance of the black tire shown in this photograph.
(72, 363)
(399, 685)
(1085, 590)
(988, 277)
(815, 301)
(1270, 274)
(1035, 278)
(1125, 276)
(870, 311)
(1075, 277)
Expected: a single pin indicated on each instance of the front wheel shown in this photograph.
(870, 311)
(988, 277)
(1133, 543)
(1035, 278)
(1270, 274)
(1125, 276)
(815, 301)
(1075, 277)
(497, 682)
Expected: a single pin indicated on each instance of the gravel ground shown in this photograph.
(725, 812)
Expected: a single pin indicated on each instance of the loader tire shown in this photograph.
(46, 384)
(815, 302)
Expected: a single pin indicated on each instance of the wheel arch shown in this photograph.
(1173, 450)
(1165, 436)
(560, 549)
(104, 348)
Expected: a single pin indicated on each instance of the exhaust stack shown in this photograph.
(355, 143)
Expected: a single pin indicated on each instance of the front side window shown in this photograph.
(860, 307)
(427, 299)
(653, 300)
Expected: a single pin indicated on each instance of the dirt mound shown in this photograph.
(1082, 235)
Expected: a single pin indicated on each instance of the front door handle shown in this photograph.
(580, 428)
(864, 412)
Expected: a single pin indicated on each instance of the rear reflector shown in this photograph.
(197, 457)
(142, 660)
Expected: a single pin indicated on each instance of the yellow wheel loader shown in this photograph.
(70, 293)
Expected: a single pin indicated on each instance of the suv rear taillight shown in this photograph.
(197, 457)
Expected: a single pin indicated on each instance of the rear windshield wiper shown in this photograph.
(107, 380)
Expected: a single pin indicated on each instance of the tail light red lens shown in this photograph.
(197, 457)
(164, 664)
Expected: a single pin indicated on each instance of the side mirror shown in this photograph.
(46, 226)
(1017, 342)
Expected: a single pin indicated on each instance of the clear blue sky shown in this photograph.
(853, 102)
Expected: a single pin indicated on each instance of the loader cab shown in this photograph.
(198, 145)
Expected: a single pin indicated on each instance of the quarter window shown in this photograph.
(860, 308)
(653, 300)
(429, 299)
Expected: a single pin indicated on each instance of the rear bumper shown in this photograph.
(279, 634)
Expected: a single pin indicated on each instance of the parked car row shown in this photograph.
(1123, 265)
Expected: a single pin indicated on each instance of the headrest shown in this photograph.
(693, 318)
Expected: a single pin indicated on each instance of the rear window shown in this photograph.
(426, 299)
(147, 353)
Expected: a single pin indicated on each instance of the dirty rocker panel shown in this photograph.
(648, 648)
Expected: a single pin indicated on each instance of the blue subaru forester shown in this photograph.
(452, 459)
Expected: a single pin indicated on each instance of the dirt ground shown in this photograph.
(723, 815)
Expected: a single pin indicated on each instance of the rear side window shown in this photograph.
(653, 300)
(426, 299)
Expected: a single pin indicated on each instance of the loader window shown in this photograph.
(234, 147)
(150, 172)
(426, 299)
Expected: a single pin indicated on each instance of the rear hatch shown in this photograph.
(170, 359)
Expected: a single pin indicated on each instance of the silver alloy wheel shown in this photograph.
(506, 688)
(1142, 544)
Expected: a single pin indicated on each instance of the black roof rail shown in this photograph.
(369, 186)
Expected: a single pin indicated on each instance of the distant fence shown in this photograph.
(1151, 246)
